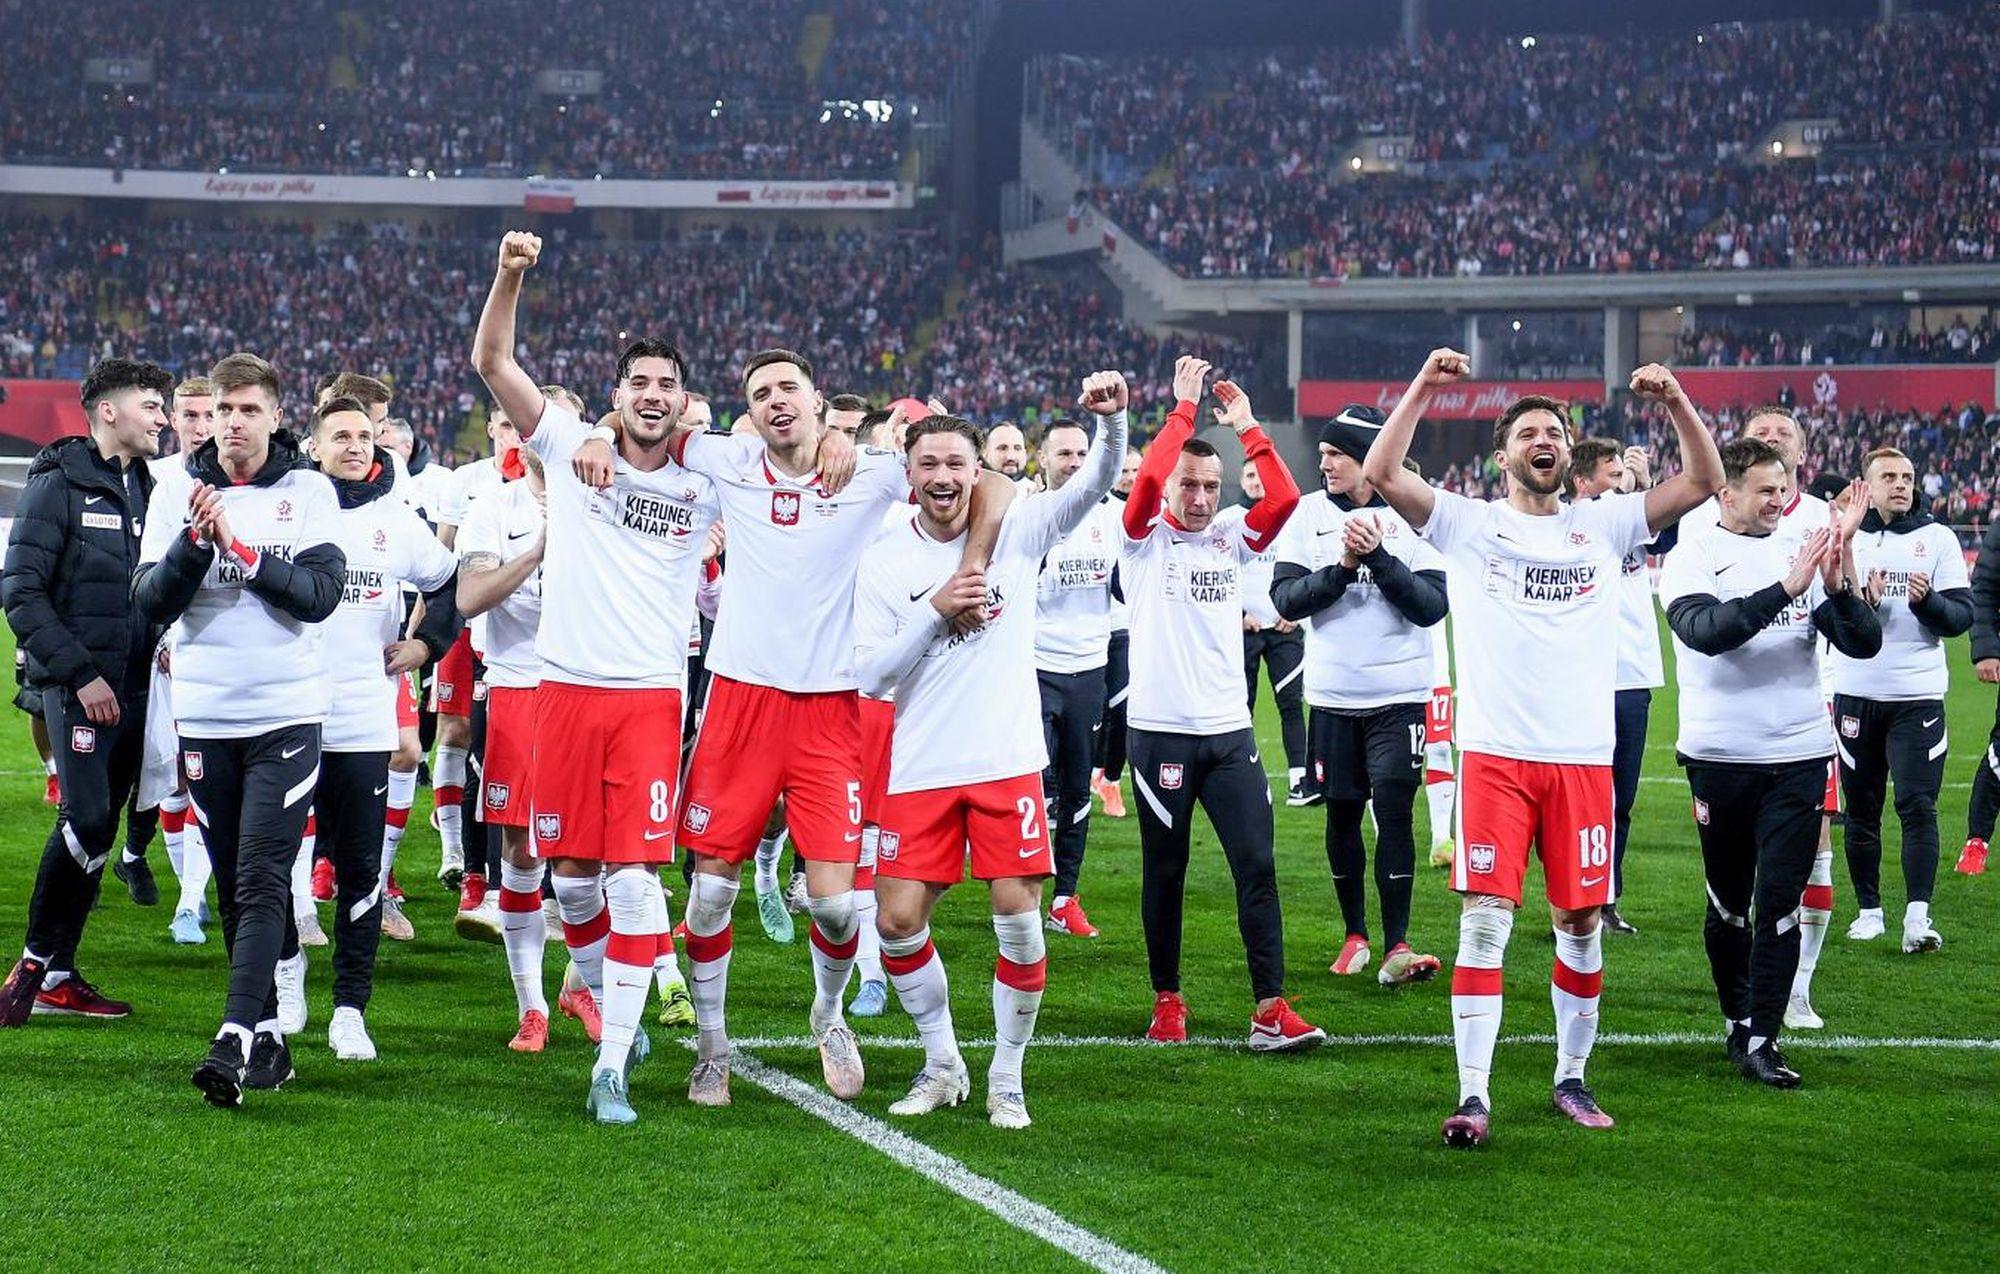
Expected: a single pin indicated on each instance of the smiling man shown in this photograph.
(70, 558)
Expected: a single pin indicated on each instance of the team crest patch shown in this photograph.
(1479, 858)
(886, 845)
(479, 692)
(446, 692)
(191, 762)
(381, 540)
(1319, 771)
(696, 819)
(1921, 549)
(1578, 538)
(1850, 727)
(548, 827)
(1170, 778)
(82, 739)
(1701, 812)
(284, 510)
(496, 796)
(785, 508)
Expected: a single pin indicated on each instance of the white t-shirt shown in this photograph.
(387, 545)
(967, 706)
(463, 486)
(242, 667)
(1258, 573)
(620, 567)
(1073, 594)
(430, 488)
(1535, 622)
(1760, 702)
(1639, 666)
(787, 616)
(507, 527)
(1911, 665)
(1185, 594)
(1361, 653)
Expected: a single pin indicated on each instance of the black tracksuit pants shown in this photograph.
(1984, 810)
(1882, 741)
(1072, 712)
(1759, 830)
(251, 796)
(1111, 737)
(97, 766)
(352, 799)
(1285, 655)
(1628, 762)
(1170, 774)
(1359, 757)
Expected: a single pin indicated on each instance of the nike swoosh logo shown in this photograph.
(92, 499)
(851, 837)
(1031, 851)
(294, 752)
(1346, 419)
(1332, 530)
(1394, 876)
(657, 835)
(382, 789)
(1592, 882)
(519, 535)
(1727, 567)
(1254, 758)
(1933, 721)
(920, 594)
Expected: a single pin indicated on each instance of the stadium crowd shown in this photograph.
(383, 89)
(1762, 346)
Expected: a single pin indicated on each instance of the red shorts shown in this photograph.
(451, 685)
(603, 773)
(406, 702)
(1506, 806)
(925, 834)
(1437, 716)
(757, 743)
(878, 728)
(507, 792)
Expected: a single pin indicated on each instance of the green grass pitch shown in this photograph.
(451, 1152)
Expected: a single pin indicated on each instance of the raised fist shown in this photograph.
(1655, 383)
(1104, 394)
(1444, 367)
(519, 251)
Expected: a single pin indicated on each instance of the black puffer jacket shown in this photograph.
(1986, 598)
(67, 587)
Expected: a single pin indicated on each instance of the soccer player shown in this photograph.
(622, 561)
(1273, 640)
(782, 718)
(70, 557)
(1367, 590)
(500, 551)
(1111, 736)
(457, 673)
(160, 779)
(247, 573)
(1535, 644)
(944, 797)
(1072, 644)
(1984, 807)
(1183, 558)
(1753, 731)
(1007, 450)
(386, 546)
(844, 414)
(1890, 708)
(1595, 468)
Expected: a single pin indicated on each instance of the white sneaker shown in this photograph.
(395, 925)
(795, 893)
(840, 1060)
(347, 1036)
(1007, 1110)
(934, 1090)
(451, 864)
(311, 932)
(1918, 936)
(552, 921)
(1799, 1015)
(291, 977)
(1867, 925)
(482, 923)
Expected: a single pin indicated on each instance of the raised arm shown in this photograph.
(1281, 493)
(493, 343)
(1701, 464)
(1149, 485)
(1408, 494)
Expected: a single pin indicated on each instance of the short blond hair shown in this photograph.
(1882, 453)
(564, 395)
(195, 387)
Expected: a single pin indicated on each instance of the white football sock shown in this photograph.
(1018, 978)
(710, 901)
(834, 944)
(195, 870)
(524, 930)
(302, 866)
(917, 972)
(769, 851)
(402, 794)
(586, 928)
(638, 909)
(1575, 983)
(173, 828)
(1476, 997)
(868, 943)
(447, 789)
(1439, 796)
(1815, 916)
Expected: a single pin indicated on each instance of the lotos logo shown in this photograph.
(785, 508)
(548, 827)
(1170, 778)
(887, 844)
(1479, 858)
(696, 819)
(82, 739)
(191, 762)
(496, 796)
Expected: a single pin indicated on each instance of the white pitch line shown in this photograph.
(1238, 1043)
(1017, 1210)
